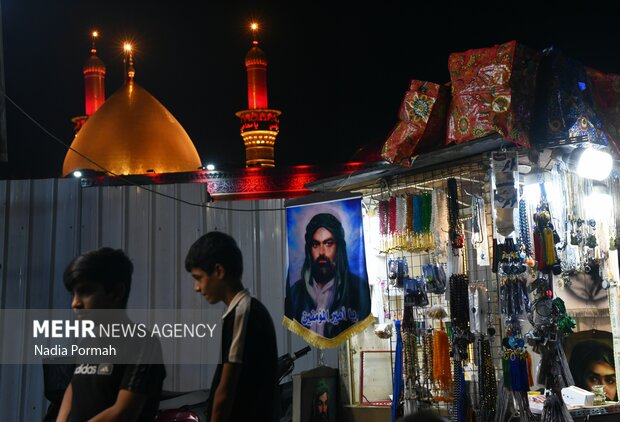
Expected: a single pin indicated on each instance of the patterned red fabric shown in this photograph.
(422, 123)
(492, 91)
(605, 89)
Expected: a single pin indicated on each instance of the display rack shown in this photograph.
(472, 180)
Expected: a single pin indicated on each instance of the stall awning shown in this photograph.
(363, 178)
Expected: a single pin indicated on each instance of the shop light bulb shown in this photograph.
(77, 174)
(531, 186)
(599, 206)
(531, 192)
(594, 164)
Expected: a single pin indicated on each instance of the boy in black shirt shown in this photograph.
(101, 279)
(244, 386)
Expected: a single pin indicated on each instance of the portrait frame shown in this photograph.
(585, 347)
(307, 385)
(345, 307)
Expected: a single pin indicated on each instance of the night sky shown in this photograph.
(337, 73)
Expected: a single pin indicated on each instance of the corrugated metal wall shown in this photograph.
(45, 223)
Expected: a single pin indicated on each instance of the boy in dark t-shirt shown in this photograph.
(101, 279)
(96, 388)
(244, 386)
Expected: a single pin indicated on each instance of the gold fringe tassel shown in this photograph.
(321, 342)
(550, 257)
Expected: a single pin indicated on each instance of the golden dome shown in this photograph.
(132, 133)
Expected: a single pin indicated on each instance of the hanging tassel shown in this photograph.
(439, 220)
(554, 410)
(427, 206)
(441, 360)
(504, 400)
(409, 213)
(567, 375)
(506, 370)
(528, 361)
(538, 250)
(523, 405)
(403, 217)
(417, 214)
(523, 371)
(515, 373)
(383, 217)
(397, 386)
(554, 371)
(550, 256)
(392, 215)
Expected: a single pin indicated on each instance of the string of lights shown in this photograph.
(120, 177)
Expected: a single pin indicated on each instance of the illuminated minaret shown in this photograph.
(259, 124)
(94, 84)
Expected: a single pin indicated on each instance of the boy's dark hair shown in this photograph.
(105, 266)
(215, 248)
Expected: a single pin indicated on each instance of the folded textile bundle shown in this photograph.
(421, 127)
(493, 90)
(564, 105)
(605, 88)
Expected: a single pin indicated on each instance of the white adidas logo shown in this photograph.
(85, 369)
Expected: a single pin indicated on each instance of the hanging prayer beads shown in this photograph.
(487, 385)
(455, 231)
(457, 413)
(410, 352)
(383, 217)
(427, 356)
(524, 228)
(459, 301)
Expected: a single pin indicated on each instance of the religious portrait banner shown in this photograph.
(327, 291)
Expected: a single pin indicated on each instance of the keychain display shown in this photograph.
(435, 277)
(443, 245)
(398, 269)
(415, 292)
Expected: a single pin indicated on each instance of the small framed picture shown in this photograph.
(590, 356)
(316, 396)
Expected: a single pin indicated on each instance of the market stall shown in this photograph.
(493, 261)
